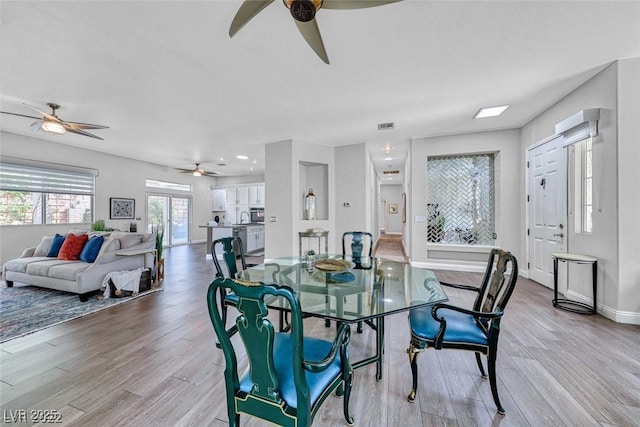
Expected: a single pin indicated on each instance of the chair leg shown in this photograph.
(491, 361)
(347, 395)
(413, 352)
(479, 361)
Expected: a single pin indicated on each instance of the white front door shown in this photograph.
(547, 207)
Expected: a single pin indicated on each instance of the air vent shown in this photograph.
(390, 172)
(221, 164)
(385, 126)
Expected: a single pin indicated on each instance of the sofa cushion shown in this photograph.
(58, 240)
(127, 239)
(110, 244)
(91, 248)
(72, 247)
(41, 268)
(68, 270)
(44, 246)
(19, 265)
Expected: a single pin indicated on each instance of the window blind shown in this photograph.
(16, 177)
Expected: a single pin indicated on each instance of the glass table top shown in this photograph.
(366, 289)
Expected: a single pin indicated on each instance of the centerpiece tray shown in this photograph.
(333, 265)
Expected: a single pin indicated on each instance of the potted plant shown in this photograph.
(159, 258)
(98, 225)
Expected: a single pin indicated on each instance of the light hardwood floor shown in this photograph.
(152, 362)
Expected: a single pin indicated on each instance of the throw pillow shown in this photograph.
(58, 240)
(90, 251)
(44, 247)
(72, 247)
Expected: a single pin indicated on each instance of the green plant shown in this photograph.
(311, 252)
(98, 225)
(441, 221)
(159, 240)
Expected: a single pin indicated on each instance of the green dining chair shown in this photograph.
(444, 326)
(289, 375)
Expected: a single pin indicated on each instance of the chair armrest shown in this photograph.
(342, 339)
(439, 336)
(459, 286)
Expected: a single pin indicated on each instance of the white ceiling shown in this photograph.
(175, 89)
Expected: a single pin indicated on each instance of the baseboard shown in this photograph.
(618, 316)
(468, 266)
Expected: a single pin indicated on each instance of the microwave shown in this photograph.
(257, 214)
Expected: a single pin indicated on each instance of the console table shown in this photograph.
(313, 235)
(143, 253)
(567, 304)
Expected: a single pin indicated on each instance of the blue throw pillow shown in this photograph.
(58, 240)
(91, 248)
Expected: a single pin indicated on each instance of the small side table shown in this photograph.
(567, 304)
(315, 234)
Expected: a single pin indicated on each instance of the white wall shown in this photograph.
(615, 236)
(353, 187)
(393, 195)
(508, 166)
(117, 177)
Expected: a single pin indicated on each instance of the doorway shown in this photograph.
(173, 213)
(546, 208)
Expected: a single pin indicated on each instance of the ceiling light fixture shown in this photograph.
(197, 173)
(50, 126)
(490, 111)
(388, 158)
(388, 148)
(242, 157)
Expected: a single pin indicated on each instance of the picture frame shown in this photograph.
(393, 208)
(122, 208)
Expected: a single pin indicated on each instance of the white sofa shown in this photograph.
(82, 278)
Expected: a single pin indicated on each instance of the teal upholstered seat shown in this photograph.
(444, 326)
(289, 375)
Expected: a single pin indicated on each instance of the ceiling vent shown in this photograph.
(390, 172)
(385, 126)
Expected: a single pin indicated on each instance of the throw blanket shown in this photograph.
(127, 280)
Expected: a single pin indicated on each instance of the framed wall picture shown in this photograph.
(393, 208)
(122, 208)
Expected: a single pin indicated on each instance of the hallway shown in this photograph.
(390, 246)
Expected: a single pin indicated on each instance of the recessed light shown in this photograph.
(255, 162)
(388, 148)
(490, 111)
(388, 158)
(242, 157)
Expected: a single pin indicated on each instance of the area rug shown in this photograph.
(26, 309)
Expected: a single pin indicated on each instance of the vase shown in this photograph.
(159, 270)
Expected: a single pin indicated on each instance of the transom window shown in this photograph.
(40, 193)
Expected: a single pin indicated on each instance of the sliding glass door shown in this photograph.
(171, 212)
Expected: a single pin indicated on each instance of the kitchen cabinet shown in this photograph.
(237, 202)
(256, 195)
(255, 238)
(218, 199)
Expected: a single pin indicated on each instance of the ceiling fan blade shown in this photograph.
(47, 115)
(21, 115)
(78, 125)
(354, 4)
(81, 132)
(311, 34)
(37, 126)
(247, 11)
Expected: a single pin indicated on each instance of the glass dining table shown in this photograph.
(365, 291)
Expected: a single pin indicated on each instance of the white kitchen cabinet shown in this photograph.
(255, 238)
(256, 195)
(237, 202)
(218, 199)
(242, 195)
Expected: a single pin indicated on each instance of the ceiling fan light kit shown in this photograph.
(52, 124)
(52, 127)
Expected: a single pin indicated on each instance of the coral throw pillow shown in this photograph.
(72, 247)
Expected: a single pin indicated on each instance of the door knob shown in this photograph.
(561, 235)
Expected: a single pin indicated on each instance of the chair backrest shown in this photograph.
(496, 287)
(265, 393)
(229, 255)
(359, 242)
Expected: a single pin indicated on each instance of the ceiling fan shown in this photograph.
(303, 12)
(197, 171)
(51, 123)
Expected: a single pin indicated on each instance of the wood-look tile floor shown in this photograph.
(152, 362)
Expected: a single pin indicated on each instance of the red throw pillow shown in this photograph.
(72, 247)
